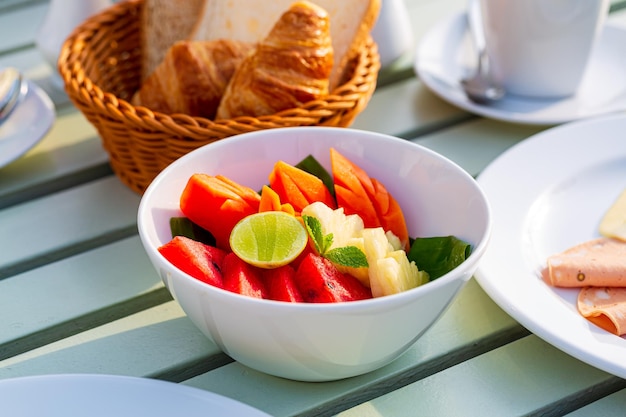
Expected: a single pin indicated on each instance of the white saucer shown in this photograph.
(75, 395)
(445, 55)
(27, 125)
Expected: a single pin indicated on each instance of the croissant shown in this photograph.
(291, 66)
(192, 77)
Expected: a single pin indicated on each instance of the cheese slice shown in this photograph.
(613, 224)
(599, 262)
(605, 307)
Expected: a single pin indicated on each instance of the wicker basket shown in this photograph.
(100, 66)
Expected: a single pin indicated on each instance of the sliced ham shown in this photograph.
(598, 263)
(598, 268)
(605, 307)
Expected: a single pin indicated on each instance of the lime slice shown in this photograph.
(268, 239)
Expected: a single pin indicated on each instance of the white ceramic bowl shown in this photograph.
(321, 342)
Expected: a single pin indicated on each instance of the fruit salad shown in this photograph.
(308, 236)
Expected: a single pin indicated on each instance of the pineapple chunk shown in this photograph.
(336, 222)
(394, 241)
(390, 271)
(361, 273)
(346, 230)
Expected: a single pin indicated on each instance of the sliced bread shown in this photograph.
(163, 22)
(251, 20)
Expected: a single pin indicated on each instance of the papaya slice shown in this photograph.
(297, 187)
(216, 204)
(390, 213)
(352, 189)
(270, 201)
(359, 194)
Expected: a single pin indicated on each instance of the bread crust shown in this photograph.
(351, 22)
(289, 67)
(192, 78)
(297, 58)
(164, 22)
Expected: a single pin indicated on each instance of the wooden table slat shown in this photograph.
(610, 406)
(134, 346)
(70, 154)
(101, 283)
(531, 381)
(65, 222)
(24, 23)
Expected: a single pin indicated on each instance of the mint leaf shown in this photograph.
(349, 256)
(314, 229)
(328, 241)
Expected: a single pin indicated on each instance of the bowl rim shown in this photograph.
(470, 264)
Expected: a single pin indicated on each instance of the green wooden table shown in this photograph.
(78, 294)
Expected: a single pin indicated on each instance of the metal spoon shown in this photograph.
(480, 86)
(13, 88)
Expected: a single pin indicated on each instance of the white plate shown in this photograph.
(548, 193)
(27, 125)
(109, 395)
(445, 55)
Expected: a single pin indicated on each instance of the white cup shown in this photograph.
(392, 32)
(60, 20)
(540, 48)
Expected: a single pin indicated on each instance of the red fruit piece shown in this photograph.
(319, 281)
(242, 278)
(308, 249)
(201, 261)
(357, 193)
(216, 204)
(298, 187)
(281, 285)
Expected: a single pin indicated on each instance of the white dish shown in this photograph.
(445, 55)
(109, 395)
(321, 341)
(27, 125)
(548, 193)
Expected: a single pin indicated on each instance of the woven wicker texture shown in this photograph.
(100, 66)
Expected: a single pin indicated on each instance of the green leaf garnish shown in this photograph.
(438, 255)
(314, 229)
(349, 256)
(182, 226)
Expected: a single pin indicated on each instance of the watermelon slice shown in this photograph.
(281, 285)
(243, 278)
(319, 281)
(197, 259)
